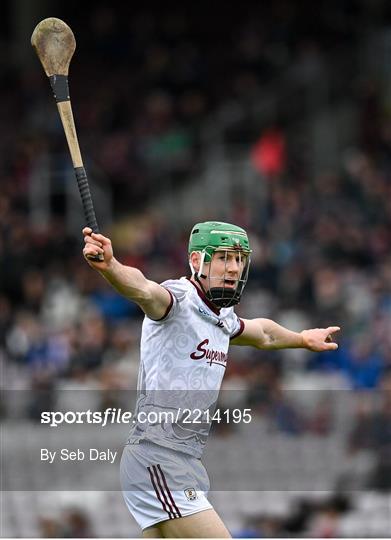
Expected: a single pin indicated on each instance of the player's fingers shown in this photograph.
(103, 239)
(92, 251)
(332, 329)
(332, 346)
(89, 240)
(87, 230)
(329, 333)
(93, 247)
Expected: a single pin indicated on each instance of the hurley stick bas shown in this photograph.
(55, 44)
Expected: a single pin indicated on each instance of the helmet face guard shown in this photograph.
(227, 295)
(211, 237)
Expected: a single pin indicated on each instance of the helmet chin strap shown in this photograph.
(199, 274)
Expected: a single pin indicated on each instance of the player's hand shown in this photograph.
(96, 244)
(320, 339)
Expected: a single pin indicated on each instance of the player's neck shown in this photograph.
(203, 297)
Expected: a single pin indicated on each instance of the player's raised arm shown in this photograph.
(153, 299)
(267, 334)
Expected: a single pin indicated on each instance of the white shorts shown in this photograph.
(160, 484)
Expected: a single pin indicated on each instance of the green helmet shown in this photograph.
(212, 236)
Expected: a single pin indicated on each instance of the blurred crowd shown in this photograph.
(70, 523)
(321, 240)
(144, 85)
(143, 82)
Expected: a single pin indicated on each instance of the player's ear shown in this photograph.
(195, 260)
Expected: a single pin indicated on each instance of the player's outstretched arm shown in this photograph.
(267, 334)
(153, 299)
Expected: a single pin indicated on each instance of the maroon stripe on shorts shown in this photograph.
(162, 490)
(170, 513)
(169, 492)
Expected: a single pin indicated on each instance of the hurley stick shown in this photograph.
(55, 44)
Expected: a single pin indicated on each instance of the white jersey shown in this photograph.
(183, 360)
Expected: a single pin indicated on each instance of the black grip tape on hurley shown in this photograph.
(86, 199)
(88, 207)
(59, 84)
